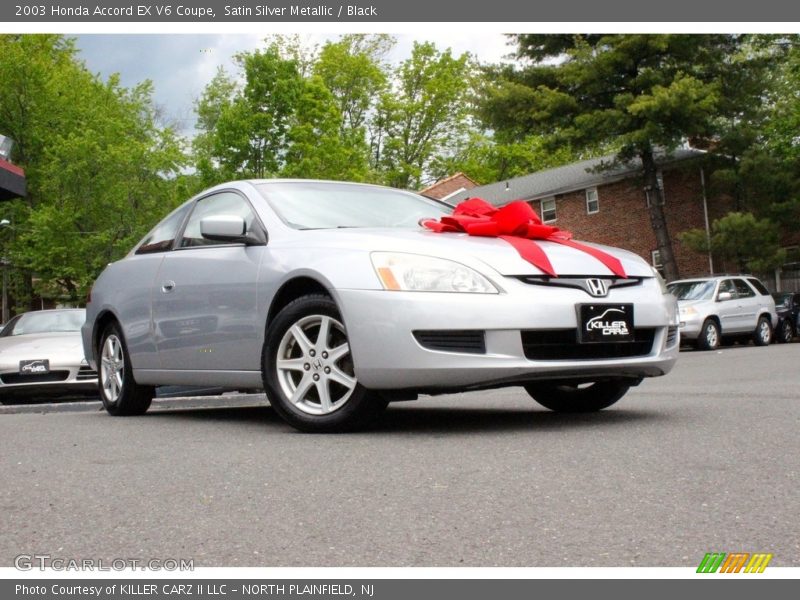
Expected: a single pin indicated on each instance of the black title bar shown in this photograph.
(511, 11)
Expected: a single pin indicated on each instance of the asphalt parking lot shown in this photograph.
(705, 459)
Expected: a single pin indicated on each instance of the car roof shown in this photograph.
(715, 277)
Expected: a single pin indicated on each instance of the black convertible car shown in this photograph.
(787, 305)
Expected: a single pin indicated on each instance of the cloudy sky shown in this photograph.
(181, 64)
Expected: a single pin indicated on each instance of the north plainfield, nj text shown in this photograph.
(297, 10)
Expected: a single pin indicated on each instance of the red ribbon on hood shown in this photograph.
(519, 225)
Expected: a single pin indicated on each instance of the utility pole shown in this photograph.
(5, 224)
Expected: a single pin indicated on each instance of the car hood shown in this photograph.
(496, 253)
(41, 345)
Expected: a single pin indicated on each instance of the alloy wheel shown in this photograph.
(314, 365)
(712, 338)
(764, 331)
(112, 368)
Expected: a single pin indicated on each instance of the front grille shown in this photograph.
(581, 282)
(562, 344)
(86, 373)
(467, 341)
(672, 335)
(16, 378)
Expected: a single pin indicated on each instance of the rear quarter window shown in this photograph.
(758, 285)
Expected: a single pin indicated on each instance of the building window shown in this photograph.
(548, 210)
(592, 201)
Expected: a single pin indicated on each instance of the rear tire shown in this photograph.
(786, 333)
(119, 392)
(709, 338)
(575, 399)
(762, 336)
(308, 370)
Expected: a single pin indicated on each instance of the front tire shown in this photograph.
(119, 392)
(762, 336)
(308, 370)
(575, 398)
(709, 338)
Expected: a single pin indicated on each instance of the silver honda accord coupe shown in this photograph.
(332, 298)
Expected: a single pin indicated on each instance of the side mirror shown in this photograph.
(229, 228)
(723, 296)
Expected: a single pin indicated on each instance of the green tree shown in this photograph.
(352, 68)
(99, 165)
(421, 115)
(280, 122)
(644, 93)
(751, 244)
(245, 133)
(486, 159)
(316, 148)
(216, 99)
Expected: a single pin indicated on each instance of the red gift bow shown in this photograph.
(519, 225)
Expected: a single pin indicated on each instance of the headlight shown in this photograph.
(417, 273)
(688, 311)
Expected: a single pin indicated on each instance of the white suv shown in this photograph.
(724, 308)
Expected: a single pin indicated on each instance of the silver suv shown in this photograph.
(724, 308)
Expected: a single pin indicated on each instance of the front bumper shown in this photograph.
(62, 379)
(380, 326)
(691, 326)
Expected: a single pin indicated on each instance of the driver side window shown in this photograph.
(224, 203)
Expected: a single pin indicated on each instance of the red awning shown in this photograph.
(12, 181)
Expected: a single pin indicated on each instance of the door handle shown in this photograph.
(167, 286)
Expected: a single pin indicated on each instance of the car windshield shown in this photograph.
(323, 205)
(46, 322)
(692, 290)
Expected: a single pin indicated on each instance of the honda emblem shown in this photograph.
(597, 287)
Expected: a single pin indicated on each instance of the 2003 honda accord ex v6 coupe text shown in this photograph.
(338, 298)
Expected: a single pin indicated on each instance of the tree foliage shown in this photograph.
(747, 243)
(422, 114)
(642, 93)
(97, 161)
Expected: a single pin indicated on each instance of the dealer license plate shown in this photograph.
(34, 367)
(605, 323)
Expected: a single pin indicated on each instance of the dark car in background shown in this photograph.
(787, 305)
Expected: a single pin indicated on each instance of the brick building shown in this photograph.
(609, 206)
(449, 186)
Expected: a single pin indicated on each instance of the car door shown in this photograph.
(727, 309)
(133, 292)
(204, 308)
(747, 304)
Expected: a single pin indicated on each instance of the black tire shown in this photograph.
(710, 337)
(575, 399)
(313, 374)
(762, 336)
(121, 396)
(786, 332)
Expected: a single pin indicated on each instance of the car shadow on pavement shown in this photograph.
(440, 420)
(463, 420)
